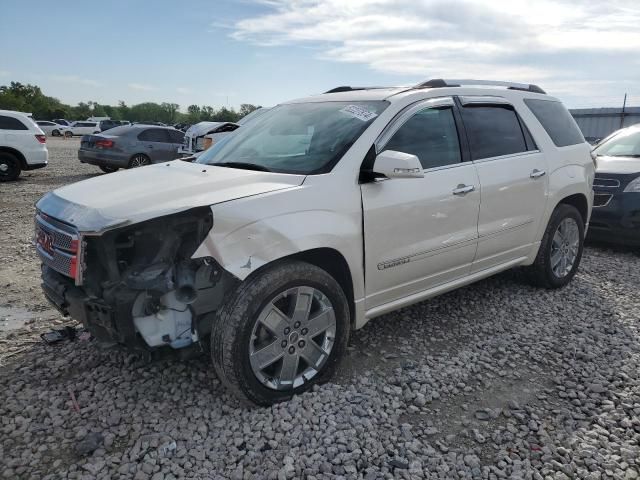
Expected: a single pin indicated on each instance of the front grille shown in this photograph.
(58, 246)
(601, 199)
(601, 182)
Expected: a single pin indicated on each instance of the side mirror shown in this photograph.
(394, 164)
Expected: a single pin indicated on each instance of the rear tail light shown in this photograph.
(41, 138)
(105, 143)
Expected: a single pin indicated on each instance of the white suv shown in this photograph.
(22, 145)
(322, 214)
(84, 128)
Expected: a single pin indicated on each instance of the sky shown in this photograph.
(225, 52)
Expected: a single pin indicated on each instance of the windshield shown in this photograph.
(301, 138)
(624, 144)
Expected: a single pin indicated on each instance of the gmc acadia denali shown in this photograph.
(323, 213)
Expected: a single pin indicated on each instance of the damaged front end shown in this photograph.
(136, 284)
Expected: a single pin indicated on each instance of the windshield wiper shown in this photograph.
(245, 165)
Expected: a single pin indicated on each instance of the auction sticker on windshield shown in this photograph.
(359, 112)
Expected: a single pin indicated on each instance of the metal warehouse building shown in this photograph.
(597, 123)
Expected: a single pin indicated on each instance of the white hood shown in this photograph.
(140, 194)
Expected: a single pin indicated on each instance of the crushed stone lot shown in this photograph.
(496, 380)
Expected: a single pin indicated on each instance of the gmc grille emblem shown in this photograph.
(45, 240)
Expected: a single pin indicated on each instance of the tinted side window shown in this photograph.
(493, 131)
(10, 123)
(176, 137)
(556, 121)
(431, 135)
(153, 135)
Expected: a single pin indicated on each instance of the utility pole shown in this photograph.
(624, 104)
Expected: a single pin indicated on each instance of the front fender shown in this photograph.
(242, 240)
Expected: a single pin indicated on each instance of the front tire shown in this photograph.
(55, 133)
(281, 332)
(9, 167)
(560, 250)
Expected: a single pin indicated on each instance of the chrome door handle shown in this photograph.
(537, 173)
(463, 189)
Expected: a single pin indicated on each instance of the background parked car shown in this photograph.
(130, 146)
(22, 145)
(194, 137)
(616, 206)
(53, 129)
(107, 124)
(62, 121)
(84, 128)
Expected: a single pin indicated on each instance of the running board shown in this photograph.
(440, 289)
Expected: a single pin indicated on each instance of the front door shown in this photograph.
(421, 232)
(513, 176)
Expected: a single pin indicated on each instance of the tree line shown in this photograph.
(29, 98)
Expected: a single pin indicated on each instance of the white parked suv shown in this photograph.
(84, 128)
(22, 145)
(322, 214)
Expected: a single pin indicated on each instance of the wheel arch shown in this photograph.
(580, 202)
(17, 154)
(328, 259)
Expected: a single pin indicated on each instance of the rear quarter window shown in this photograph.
(556, 120)
(11, 123)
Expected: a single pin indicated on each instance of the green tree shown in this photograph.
(171, 110)
(246, 109)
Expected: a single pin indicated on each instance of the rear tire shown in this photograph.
(560, 250)
(9, 167)
(242, 332)
(139, 160)
(106, 169)
(55, 133)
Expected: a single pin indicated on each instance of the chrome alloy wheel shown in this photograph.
(292, 338)
(139, 161)
(4, 167)
(564, 247)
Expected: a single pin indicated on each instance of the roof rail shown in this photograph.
(346, 88)
(441, 83)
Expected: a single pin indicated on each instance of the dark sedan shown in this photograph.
(616, 206)
(130, 146)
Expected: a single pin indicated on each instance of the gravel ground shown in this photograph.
(496, 380)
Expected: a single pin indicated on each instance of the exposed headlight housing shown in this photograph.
(633, 186)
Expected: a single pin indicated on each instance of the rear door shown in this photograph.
(513, 179)
(155, 143)
(176, 138)
(421, 232)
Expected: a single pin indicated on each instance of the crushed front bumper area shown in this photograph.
(108, 323)
(136, 285)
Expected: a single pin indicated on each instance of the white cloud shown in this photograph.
(75, 79)
(4, 73)
(141, 86)
(183, 90)
(554, 41)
